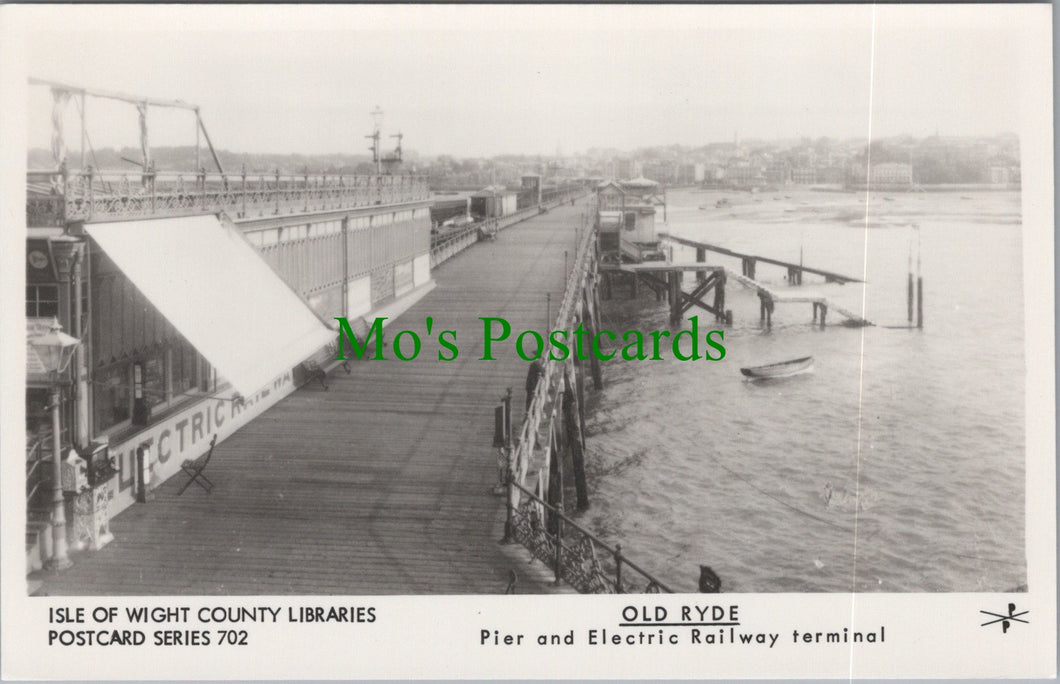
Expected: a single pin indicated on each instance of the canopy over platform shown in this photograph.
(211, 284)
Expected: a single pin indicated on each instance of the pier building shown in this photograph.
(626, 218)
(198, 300)
(191, 303)
(494, 201)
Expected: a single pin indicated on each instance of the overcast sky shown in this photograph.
(475, 81)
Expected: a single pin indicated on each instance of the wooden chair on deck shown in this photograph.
(194, 467)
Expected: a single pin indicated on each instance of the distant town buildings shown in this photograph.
(1004, 175)
(805, 175)
(901, 161)
(892, 173)
(623, 169)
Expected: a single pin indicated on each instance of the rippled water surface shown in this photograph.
(896, 465)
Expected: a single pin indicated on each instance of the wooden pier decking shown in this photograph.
(785, 298)
(380, 485)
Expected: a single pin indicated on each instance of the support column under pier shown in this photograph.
(575, 441)
(719, 296)
(675, 297)
(594, 363)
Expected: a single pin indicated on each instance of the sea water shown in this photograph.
(896, 465)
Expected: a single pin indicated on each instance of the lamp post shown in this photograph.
(55, 349)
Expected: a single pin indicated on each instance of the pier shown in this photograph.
(821, 305)
(750, 261)
(383, 484)
(664, 277)
(379, 480)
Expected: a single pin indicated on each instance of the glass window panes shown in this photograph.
(184, 369)
(42, 301)
(112, 396)
(154, 389)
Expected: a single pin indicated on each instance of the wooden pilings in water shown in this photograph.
(719, 300)
(565, 437)
(666, 282)
(794, 275)
(675, 297)
(555, 482)
(909, 295)
(919, 302)
(909, 299)
(573, 418)
(606, 284)
(701, 256)
(590, 316)
(748, 267)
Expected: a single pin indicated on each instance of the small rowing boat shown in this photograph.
(779, 370)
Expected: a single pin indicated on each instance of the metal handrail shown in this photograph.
(543, 406)
(531, 421)
(616, 551)
(290, 179)
(86, 193)
(443, 242)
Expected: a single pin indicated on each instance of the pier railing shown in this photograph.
(448, 245)
(56, 197)
(575, 555)
(583, 268)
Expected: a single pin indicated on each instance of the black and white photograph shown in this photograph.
(744, 305)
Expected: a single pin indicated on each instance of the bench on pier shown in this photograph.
(193, 469)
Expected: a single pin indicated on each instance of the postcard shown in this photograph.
(528, 341)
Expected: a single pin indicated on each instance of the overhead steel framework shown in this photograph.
(61, 93)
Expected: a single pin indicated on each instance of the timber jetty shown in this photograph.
(379, 485)
(385, 482)
(382, 479)
(665, 278)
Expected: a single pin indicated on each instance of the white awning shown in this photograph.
(213, 287)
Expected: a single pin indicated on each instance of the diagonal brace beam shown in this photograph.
(698, 292)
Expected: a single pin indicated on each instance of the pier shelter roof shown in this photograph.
(214, 288)
(493, 191)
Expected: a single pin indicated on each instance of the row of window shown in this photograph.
(272, 236)
(129, 392)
